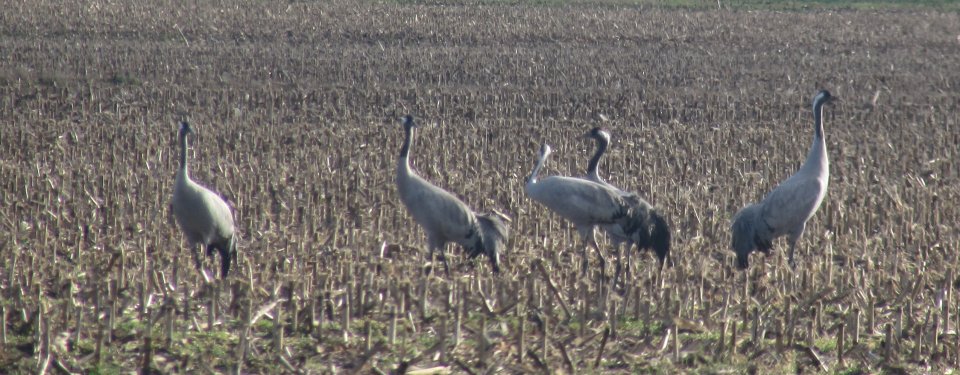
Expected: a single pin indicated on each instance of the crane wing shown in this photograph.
(792, 204)
(202, 214)
(580, 201)
(438, 211)
(222, 217)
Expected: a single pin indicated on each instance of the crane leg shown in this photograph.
(437, 245)
(224, 263)
(619, 266)
(585, 262)
(790, 260)
(429, 262)
(589, 239)
(443, 259)
(603, 259)
(585, 236)
(234, 258)
(629, 271)
(195, 249)
(794, 238)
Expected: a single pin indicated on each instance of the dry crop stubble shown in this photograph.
(295, 105)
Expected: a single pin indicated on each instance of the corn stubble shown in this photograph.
(295, 108)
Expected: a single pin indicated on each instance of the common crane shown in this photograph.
(584, 203)
(202, 215)
(787, 208)
(444, 217)
(652, 232)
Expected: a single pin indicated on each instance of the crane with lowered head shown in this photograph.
(584, 203)
(652, 230)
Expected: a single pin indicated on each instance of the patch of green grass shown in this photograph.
(703, 336)
(359, 326)
(637, 327)
(85, 346)
(128, 327)
(15, 356)
(106, 369)
(263, 325)
(660, 368)
(215, 343)
(425, 341)
(302, 344)
(331, 333)
(827, 344)
(214, 348)
(855, 370)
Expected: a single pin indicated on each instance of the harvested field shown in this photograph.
(295, 106)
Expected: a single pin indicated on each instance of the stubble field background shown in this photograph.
(295, 106)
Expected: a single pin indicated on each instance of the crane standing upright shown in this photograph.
(787, 208)
(204, 217)
(443, 216)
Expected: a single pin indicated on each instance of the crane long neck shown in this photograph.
(536, 169)
(183, 152)
(817, 157)
(404, 163)
(594, 166)
(818, 119)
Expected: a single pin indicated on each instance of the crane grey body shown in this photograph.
(787, 208)
(202, 215)
(444, 217)
(652, 231)
(584, 203)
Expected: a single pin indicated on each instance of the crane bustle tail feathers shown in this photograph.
(495, 234)
(745, 234)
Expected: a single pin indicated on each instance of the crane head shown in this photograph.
(545, 151)
(185, 128)
(598, 133)
(823, 97)
(407, 121)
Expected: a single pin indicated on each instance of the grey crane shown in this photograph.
(584, 203)
(202, 215)
(787, 208)
(652, 230)
(444, 217)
